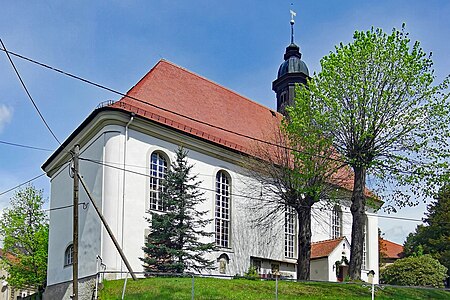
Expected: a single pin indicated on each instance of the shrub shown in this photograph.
(416, 271)
(252, 273)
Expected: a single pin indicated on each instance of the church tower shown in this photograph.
(293, 70)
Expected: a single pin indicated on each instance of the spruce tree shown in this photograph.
(173, 244)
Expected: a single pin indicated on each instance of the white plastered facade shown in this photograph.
(108, 145)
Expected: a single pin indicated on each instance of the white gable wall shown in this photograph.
(60, 234)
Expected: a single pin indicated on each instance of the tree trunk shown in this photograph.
(359, 221)
(304, 243)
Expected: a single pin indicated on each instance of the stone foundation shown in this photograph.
(63, 290)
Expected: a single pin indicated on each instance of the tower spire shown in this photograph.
(291, 72)
(293, 14)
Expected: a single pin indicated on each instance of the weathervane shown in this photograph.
(293, 14)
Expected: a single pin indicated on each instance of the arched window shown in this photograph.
(158, 171)
(222, 211)
(223, 263)
(336, 223)
(289, 232)
(68, 255)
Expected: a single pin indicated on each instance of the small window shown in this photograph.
(256, 263)
(158, 172)
(68, 256)
(223, 263)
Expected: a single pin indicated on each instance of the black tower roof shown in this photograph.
(292, 62)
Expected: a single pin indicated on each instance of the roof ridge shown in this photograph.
(384, 240)
(329, 240)
(213, 82)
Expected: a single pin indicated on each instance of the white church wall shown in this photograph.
(245, 240)
(111, 190)
(60, 231)
(125, 199)
(372, 247)
(60, 234)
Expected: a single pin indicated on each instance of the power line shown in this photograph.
(23, 183)
(28, 93)
(196, 120)
(404, 219)
(85, 204)
(245, 196)
(25, 146)
(32, 179)
(161, 108)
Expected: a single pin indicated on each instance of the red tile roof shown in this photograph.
(7, 256)
(169, 92)
(324, 248)
(175, 97)
(392, 250)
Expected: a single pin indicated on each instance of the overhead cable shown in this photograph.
(247, 196)
(28, 93)
(194, 119)
(25, 146)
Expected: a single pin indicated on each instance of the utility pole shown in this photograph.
(108, 229)
(75, 169)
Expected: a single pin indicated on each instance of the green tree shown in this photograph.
(173, 244)
(24, 229)
(434, 238)
(415, 271)
(378, 103)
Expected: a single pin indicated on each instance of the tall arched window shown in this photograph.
(158, 171)
(336, 223)
(222, 211)
(289, 231)
(68, 255)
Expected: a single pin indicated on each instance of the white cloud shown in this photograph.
(5, 115)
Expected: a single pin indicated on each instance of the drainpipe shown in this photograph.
(123, 182)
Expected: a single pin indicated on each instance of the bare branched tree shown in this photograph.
(292, 174)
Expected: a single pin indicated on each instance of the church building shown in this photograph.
(126, 148)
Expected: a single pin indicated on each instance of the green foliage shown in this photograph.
(252, 273)
(173, 243)
(415, 271)
(298, 174)
(434, 238)
(375, 99)
(313, 163)
(385, 113)
(24, 229)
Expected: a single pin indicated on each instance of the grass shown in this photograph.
(242, 289)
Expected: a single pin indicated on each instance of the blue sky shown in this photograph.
(238, 44)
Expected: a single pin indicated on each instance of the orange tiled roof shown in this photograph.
(324, 248)
(7, 256)
(173, 92)
(175, 97)
(392, 250)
